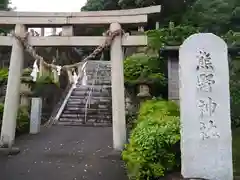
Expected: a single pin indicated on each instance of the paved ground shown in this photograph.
(64, 153)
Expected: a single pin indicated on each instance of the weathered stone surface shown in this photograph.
(206, 141)
(173, 79)
(36, 114)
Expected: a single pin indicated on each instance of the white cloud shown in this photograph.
(48, 5)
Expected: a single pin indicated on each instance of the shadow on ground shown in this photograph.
(64, 153)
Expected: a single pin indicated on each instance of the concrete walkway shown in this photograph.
(64, 153)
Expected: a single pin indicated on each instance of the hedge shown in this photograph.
(153, 148)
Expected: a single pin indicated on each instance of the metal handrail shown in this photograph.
(80, 76)
(58, 107)
(87, 105)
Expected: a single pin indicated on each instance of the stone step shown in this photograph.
(91, 115)
(94, 67)
(95, 94)
(109, 91)
(92, 100)
(91, 103)
(99, 98)
(87, 124)
(92, 81)
(88, 120)
(83, 106)
(97, 88)
(97, 82)
(100, 73)
(93, 107)
(92, 93)
(80, 102)
(99, 110)
(82, 116)
(89, 111)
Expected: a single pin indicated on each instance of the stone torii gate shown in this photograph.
(21, 21)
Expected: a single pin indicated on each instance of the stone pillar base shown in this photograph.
(9, 151)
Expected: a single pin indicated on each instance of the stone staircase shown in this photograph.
(91, 104)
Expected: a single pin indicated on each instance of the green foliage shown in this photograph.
(232, 38)
(98, 5)
(152, 152)
(172, 9)
(22, 119)
(215, 16)
(169, 36)
(45, 79)
(155, 108)
(4, 5)
(3, 76)
(27, 72)
(142, 68)
(39, 88)
(234, 89)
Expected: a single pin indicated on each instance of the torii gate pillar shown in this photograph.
(12, 95)
(118, 98)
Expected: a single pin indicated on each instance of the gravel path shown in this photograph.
(64, 153)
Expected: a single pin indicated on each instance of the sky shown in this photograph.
(48, 6)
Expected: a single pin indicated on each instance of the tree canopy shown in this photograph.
(4, 4)
(218, 16)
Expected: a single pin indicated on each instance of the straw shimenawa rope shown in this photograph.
(31, 50)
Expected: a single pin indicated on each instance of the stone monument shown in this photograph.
(36, 114)
(206, 141)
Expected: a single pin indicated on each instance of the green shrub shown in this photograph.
(39, 88)
(141, 67)
(22, 119)
(155, 108)
(150, 152)
(153, 149)
(169, 36)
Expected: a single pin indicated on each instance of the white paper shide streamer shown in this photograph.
(59, 68)
(75, 79)
(84, 80)
(35, 71)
